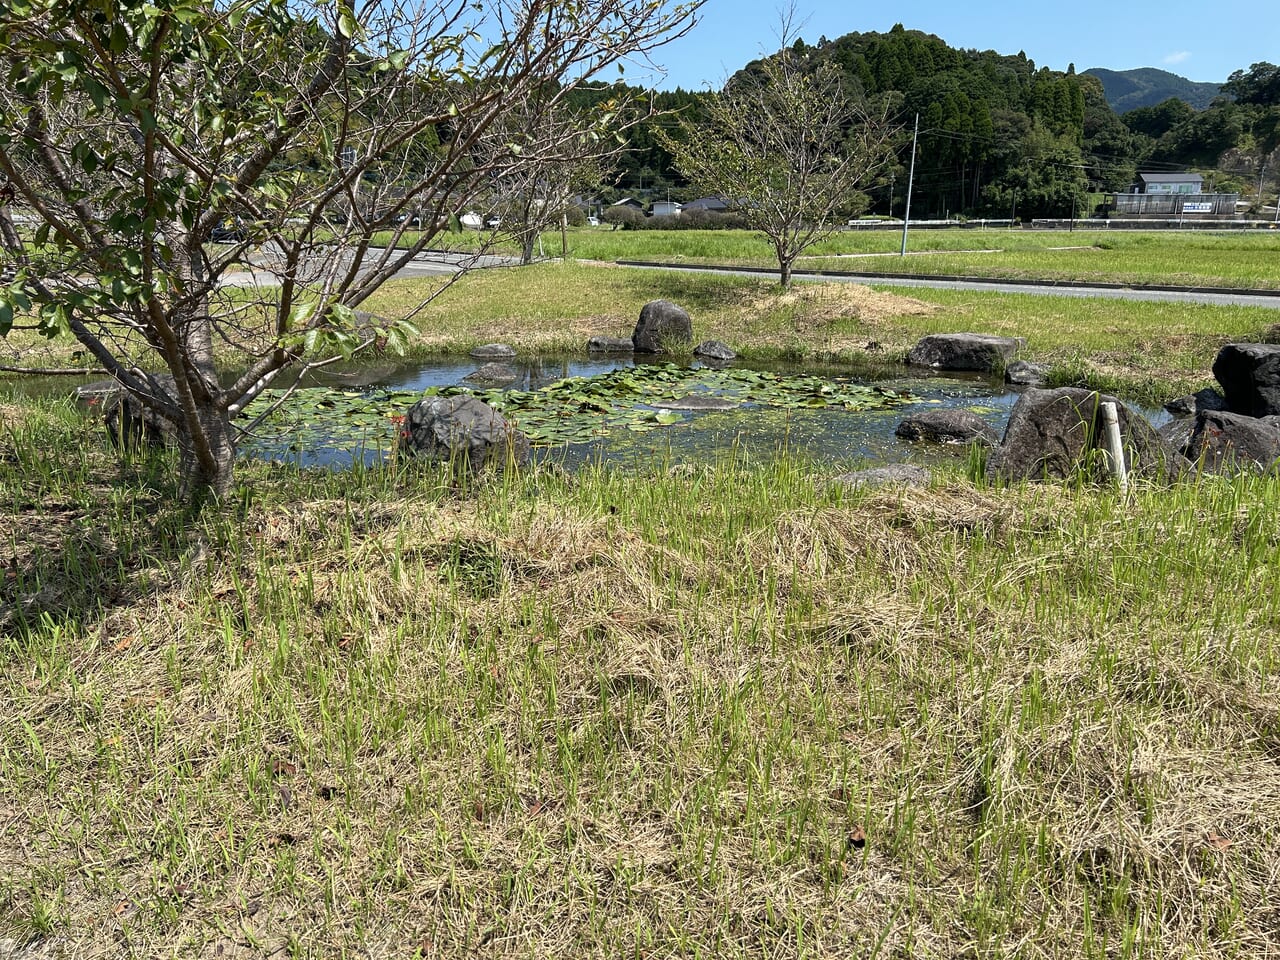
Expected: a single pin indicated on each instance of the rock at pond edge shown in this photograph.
(461, 430)
(714, 350)
(494, 351)
(1053, 434)
(947, 426)
(662, 326)
(964, 351)
(901, 474)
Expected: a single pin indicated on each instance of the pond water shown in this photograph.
(753, 432)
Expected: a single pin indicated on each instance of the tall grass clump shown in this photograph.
(729, 711)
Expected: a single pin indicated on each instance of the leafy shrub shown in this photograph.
(697, 220)
(623, 218)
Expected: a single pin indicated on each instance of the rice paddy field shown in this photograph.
(646, 709)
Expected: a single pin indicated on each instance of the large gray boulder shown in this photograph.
(1055, 434)
(662, 326)
(1224, 442)
(964, 351)
(948, 426)
(461, 430)
(1250, 377)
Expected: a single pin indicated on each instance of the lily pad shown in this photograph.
(572, 410)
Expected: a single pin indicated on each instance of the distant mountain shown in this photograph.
(1128, 90)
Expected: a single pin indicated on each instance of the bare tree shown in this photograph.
(299, 132)
(787, 147)
(550, 154)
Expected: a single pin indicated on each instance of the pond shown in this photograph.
(814, 411)
(764, 421)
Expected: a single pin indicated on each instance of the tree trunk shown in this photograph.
(526, 251)
(210, 474)
(785, 272)
(206, 441)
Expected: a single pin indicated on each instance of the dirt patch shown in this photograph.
(11, 414)
(819, 303)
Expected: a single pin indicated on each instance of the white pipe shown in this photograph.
(1111, 425)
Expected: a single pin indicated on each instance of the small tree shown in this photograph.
(135, 132)
(622, 217)
(542, 158)
(788, 147)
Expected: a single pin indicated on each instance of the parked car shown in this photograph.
(228, 231)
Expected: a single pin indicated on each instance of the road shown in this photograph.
(432, 263)
(439, 263)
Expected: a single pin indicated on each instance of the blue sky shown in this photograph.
(1200, 41)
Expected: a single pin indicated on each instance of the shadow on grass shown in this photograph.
(87, 533)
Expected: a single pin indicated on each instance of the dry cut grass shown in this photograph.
(712, 712)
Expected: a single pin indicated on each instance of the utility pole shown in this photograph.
(911, 179)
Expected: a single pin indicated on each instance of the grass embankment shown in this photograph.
(1146, 351)
(1229, 259)
(722, 713)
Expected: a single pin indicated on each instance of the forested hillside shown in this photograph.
(1001, 137)
(1145, 87)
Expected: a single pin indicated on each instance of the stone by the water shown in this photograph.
(493, 373)
(1225, 442)
(1053, 434)
(900, 474)
(1022, 373)
(964, 351)
(714, 350)
(662, 326)
(494, 351)
(948, 426)
(610, 345)
(1250, 377)
(1189, 406)
(461, 430)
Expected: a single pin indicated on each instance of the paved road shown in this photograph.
(432, 263)
(1220, 298)
(437, 263)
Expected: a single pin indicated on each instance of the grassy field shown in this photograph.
(1232, 259)
(723, 713)
(653, 710)
(1201, 258)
